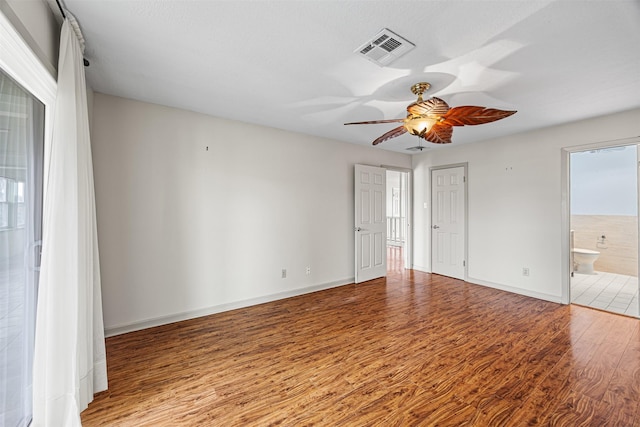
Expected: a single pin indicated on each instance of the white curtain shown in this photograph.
(69, 359)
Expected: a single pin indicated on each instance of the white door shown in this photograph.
(370, 223)
(21, 169)
(448, 222)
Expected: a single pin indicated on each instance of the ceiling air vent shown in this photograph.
(385, 47)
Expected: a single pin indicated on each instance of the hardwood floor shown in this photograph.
(412, 349)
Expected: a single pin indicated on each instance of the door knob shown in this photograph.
(32, 256)
(358, 229)
(436, 227)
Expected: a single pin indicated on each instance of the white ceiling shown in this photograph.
(291, 64)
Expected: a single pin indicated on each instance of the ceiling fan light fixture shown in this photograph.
(433, 120)
(419, 126)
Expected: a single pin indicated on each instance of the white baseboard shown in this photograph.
(519, 291)
(163, 320)
(422, 269)
(513, 290)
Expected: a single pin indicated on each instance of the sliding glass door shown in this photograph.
(21, 166)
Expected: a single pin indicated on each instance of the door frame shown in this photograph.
(408, 249)
(565, 226)
(465, 166)
(19, 61)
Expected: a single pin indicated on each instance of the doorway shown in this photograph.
(398, 208)
(22, 118)
(604, 228)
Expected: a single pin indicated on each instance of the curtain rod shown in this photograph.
(64, 15)
(85, 61)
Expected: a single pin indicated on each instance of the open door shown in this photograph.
(22, 124)
(370, 223)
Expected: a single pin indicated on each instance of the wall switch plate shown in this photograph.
(308, 271)
(284, 273)
(525, 271)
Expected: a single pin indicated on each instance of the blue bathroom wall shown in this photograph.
(604, 181)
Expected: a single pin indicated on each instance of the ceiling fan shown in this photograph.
(433, 120)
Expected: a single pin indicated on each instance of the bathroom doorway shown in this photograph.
(604, 228)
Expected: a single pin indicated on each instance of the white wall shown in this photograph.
(514, 202)
(184, 231)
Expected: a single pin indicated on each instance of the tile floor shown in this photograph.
(606, 291)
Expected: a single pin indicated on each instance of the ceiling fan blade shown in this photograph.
(373, 122)
(433, 106)
(440, 133)
(471, 115)
(391, 134)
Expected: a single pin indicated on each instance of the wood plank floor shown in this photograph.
(412, 349)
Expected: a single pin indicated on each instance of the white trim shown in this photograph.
(603, 144)
(22, 64)
(409, 239)
(24, 35)
(506, 288)
(519, 291)
(565, 229)
(421, 268)
(192, 314)
(396, 168)
(18, 60)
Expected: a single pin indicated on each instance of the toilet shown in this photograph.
(584, 259)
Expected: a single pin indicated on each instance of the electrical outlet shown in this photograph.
(525, 271)
(284, 273)
(308, 271)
